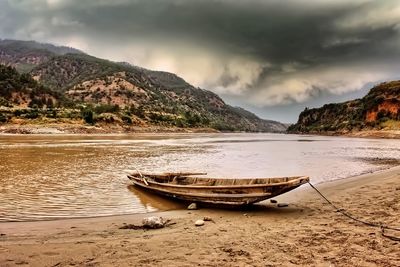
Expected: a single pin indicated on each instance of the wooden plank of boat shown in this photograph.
(215, 191)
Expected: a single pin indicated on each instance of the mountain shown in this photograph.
(24, 55)
(379, 109)
(133, 94)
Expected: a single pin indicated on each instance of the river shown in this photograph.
(66, 176)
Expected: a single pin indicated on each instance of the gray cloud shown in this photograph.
(263, 53)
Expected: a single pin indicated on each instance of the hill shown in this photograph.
(133, 94)
(379, 109)
(25, 55)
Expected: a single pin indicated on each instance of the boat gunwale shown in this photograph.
(210, 195)
(293, 182)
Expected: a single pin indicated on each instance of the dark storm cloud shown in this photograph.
(265, 53)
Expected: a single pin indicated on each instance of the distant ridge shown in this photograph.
(379, 109)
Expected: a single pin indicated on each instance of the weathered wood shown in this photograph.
(216, 191)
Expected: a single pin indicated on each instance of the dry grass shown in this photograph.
(391, 125)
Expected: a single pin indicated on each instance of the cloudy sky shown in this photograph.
(272, 57)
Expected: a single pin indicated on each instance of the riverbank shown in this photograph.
(380, 134)
(100, 128)
(77, 127)
(307, 232)
(389, 134)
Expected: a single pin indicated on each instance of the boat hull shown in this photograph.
(221, 195)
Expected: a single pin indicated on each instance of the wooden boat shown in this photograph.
(215, 191)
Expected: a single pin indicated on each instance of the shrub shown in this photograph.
(179, 122)
(104, 108)
(19, 112)
(127, 119)
(51, 113)
(158, 117)
(3, 118)
(49, 103)
(139, 111)
(87, 115)
(4, 102)
(70, 114)
(32, 114)
(108, 118)
(382, 114)
(192, 118)
(222, 126)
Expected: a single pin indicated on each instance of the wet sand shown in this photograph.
(308, 232)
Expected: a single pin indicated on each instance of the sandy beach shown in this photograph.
(307, 233)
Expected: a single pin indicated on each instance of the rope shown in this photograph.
(350, 216)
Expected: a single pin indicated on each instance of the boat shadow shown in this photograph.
(155, 201)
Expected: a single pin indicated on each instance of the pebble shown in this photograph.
(192, 206)
(281, 205)
(199, 223)
(207, 219)
(273, 201)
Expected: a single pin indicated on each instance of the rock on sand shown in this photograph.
(192, 206)
(153, 222)
(199, 223)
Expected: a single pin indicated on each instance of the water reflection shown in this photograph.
(154, 202)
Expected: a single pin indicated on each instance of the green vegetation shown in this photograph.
(3, 117)
(87, 115)
(106, 108)
(63, 72)
(126, 119)
(380, 105)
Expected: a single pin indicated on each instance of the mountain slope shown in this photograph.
(63, 72)
(24, 98)
(25, 55)
(155, 97)
(22, 90)
(379, 109)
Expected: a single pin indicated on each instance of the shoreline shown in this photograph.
(101, 129)
(307, 232)
(373, 134)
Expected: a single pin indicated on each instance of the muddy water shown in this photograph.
(64, 176)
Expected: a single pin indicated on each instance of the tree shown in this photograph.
(3, 118)
(87, 115)
(49, 103)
